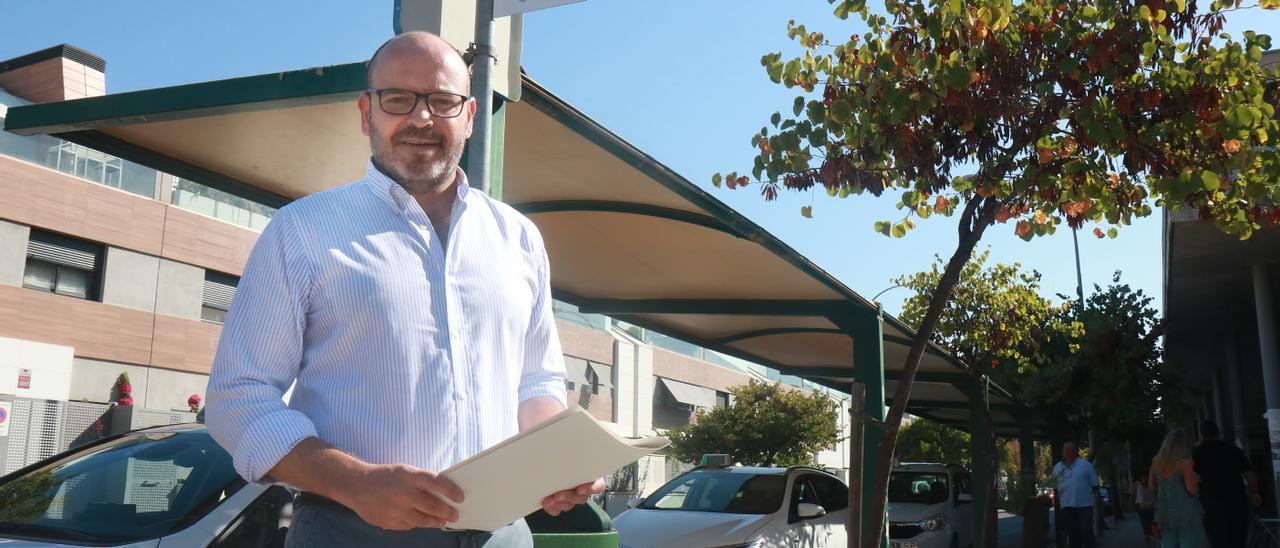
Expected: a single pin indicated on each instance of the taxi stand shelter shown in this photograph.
(627, 236)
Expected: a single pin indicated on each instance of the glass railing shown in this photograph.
(225, 206)
(569, 313)
(80, 161)
(108, 170)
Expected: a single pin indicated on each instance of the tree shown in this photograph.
(1035, 113)
(998, 323)
(766, 425)
(923, 440)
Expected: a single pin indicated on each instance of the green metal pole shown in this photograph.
(867, 331)
(496, 149)
(980, 449)
(1026, 450)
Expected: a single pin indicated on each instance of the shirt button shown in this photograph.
(462, 396)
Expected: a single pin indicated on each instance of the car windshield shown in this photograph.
(918, 487)
(720, 491)
(139, 486)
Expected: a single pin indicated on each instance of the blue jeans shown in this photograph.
(1192, 537)
(1079, 524)
(329, 525)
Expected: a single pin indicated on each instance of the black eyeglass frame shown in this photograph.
(417, 98)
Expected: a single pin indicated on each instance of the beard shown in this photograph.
(417, 172)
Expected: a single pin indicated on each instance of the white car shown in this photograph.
(155, 488)
(930, 506)
(732, 506)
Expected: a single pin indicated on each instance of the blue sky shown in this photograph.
(680, 79)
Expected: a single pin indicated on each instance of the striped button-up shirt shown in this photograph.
(404, 350)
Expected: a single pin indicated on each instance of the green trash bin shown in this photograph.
(585, 526)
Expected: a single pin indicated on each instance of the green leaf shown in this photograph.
(958, 76)
(841, 112)
(775, 119)
(797, 105)
(883, 227)
(1112, 232)
(716, 180)
(1210, 180)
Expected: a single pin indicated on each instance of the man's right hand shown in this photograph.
(401, 497)
(390, 496)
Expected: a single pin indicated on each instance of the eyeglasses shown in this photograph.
(399, 102)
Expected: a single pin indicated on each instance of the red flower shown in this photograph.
(126, 400)
(125, 389)
(194, 399)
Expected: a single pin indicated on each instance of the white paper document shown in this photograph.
(509, 480)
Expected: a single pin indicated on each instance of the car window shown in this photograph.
(832, 493)
(136, 487)
(263, 524)
(801, 492)
(720, 491)
(918, 487)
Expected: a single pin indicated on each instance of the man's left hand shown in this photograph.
(563, 501)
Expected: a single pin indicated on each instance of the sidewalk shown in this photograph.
(1125, 534)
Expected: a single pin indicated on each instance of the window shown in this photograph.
(219, 291)
(832, 493)
(599, 377)
(802, 492)
(722, 399)
(62, 265)
(140, 486)
(263, 523)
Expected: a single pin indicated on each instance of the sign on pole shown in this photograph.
(6, 410)
(24, 379)
(503, 8)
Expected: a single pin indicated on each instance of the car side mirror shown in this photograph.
(808, 510)
(963, 498)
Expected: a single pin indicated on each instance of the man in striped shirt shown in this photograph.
(414, 315)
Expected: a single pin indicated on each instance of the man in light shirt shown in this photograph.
(414, 314)
(1076, 480)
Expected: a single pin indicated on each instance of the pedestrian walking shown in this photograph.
(1173, 480)
(1146, 502)
(1228, 488)
(1076, 482)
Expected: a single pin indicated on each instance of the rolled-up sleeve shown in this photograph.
(544, 372)
(260, 354)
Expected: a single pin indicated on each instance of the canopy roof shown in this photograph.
(627, 236)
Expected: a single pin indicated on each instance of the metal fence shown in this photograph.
(39, 429)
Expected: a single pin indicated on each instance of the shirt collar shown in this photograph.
(395, 195)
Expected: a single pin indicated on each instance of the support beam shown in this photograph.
(943, 404)
(743, 307)
(1236, 394)
(980, 442)
(867, 330)
(678, 215)
(1265, 306)
(780, 331)
(1026, 454)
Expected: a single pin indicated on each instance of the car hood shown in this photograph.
(905, 512)
(640, 528)
(24, 543)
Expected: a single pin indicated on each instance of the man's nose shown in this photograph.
(421, 115)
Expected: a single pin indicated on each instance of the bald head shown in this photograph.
(1070, 451)
(419, 48)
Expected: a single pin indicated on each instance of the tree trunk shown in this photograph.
(978, 214)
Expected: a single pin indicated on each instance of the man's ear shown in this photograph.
(364, 104)
(471, 115)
